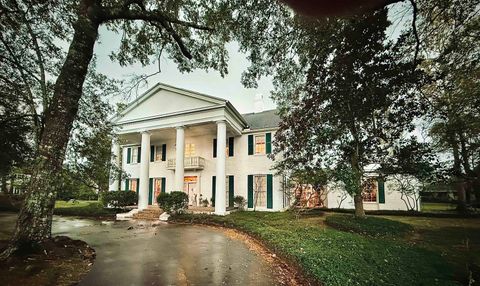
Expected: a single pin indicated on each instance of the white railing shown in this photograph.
(195, 162)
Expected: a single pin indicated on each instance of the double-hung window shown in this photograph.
(189, 150)
(260, 190)
(134, 155)
(369, 193)
(158, 153)
(260, 144)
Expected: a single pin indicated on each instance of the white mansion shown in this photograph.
(223, 153)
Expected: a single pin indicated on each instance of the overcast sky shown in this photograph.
(210, 83)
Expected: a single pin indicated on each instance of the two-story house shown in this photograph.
(173, 139)
(178, 140)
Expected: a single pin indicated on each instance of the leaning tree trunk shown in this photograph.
(35, 220)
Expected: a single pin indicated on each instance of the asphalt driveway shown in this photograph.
(131, 253)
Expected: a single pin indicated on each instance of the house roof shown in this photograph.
(262, 120)
(186, 92)
(253, 121)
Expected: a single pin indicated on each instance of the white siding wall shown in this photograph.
(240, 166)
(393, 200)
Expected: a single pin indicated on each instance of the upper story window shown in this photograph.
(135, 155)
(158, 153)
(260, 146)
(229, 147)
(189, 150)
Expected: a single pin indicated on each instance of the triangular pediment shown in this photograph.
(164, 100)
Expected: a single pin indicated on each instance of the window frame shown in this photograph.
(367, 196)
(264, 191)
(133, 149)
(190, 150)
(130, 184)
(255, 136)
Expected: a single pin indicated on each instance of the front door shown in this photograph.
(190, 187)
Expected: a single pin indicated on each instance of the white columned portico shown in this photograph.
(220, 200)
(144, 171)
(179, 158)
(114, 180)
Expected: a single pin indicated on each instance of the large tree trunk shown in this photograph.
(4, 184)
(358, 201)
(357, 197)
(461, 198)
(35, 220)
(458, 175)
(12, 182)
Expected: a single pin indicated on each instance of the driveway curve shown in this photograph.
(133, 253)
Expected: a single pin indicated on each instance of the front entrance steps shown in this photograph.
(150, 213)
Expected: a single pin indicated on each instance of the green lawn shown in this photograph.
(457, 239)
(82, 208)
(337, 257)
(438, 207)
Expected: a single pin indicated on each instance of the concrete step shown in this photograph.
(152, 211)
(148, 214)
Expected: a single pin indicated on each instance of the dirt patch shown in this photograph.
(57, 261)
(287, 272)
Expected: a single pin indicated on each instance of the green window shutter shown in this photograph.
(152, 153)
(150, 191)
(230, 191)
(214, 187)
(139, 152)
(138, 185)
(129, 155)
(163, 185)
(126, 184)
(230, 147)
(269, 191)
(268, 142)
(164, 152)
(250, 144)
(381, 190)
(215, 148)
(250, 191)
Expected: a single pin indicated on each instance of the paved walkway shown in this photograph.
(129, 253)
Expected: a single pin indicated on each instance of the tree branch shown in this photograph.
(155, 17)
(415, 32)
(140, 3)
(110, 14)
(175, 36)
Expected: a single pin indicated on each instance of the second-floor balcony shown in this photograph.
(189, 163)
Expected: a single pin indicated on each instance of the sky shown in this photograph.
(211, 83)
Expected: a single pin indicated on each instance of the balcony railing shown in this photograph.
(189, 163)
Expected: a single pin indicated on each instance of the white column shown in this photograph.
(179, 158)
(144, 171)
(114, 180)
(220, 204)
